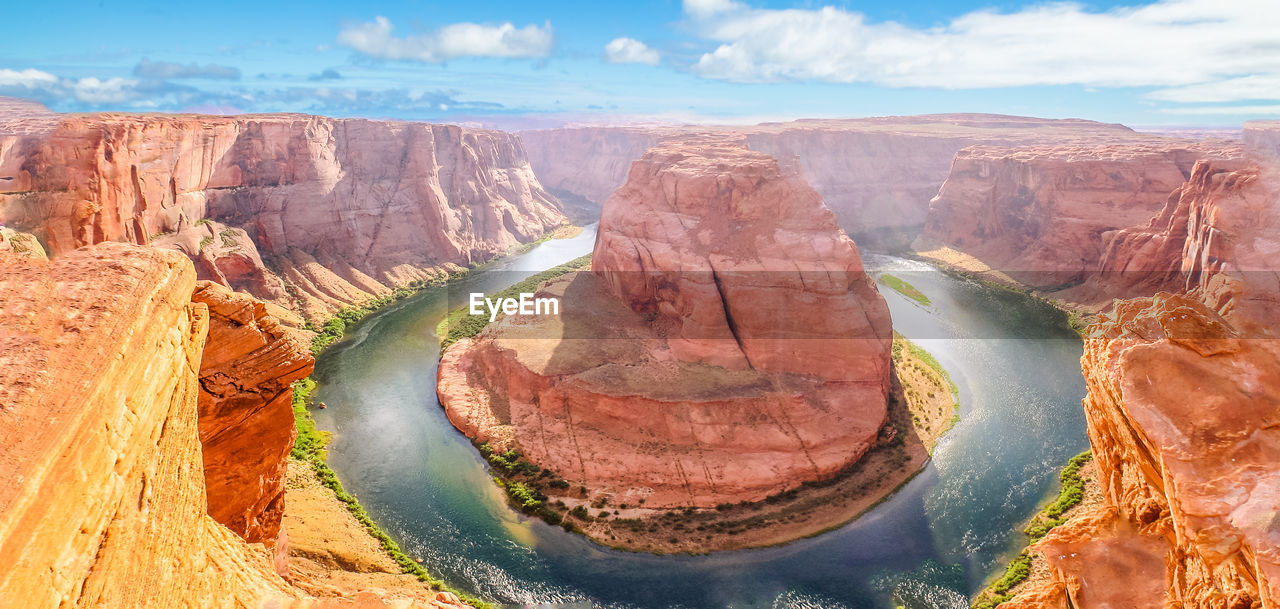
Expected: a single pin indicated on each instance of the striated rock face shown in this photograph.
(245, 412)
(726, 346)
(376, 203)
(1190, 464)
(743, 263)
(105, 345)
(105, 373)
(1183, 405)
(1215, 238)
(1045, 214)
(588, 162)
(874, 173)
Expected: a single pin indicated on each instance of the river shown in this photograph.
(929, 545)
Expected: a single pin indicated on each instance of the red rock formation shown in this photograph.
(726, 346)
(1184, 419)
(245, 413)
(874, 173)
(102, 487)
(1045, 214)
(1215, 238)
(392, 201)
(744, 263)
(588, 162)
(1184, 409)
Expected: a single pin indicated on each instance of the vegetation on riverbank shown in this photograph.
(310, 447)
(900, 286)
(922, 408)
(334, 328)
(1070, 495)
(311, 441)
(460, 324)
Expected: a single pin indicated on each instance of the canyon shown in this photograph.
(309, 213)
(720, 259)
(1045, 215)
(714, 271)
(876, 174)
(1182, 407)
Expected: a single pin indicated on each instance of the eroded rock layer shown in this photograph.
(372, 204)
(1184, 410)
(106, 506)
(727, 344)
(874, 173)
(1045, 215)
(245, 412)
(106, 369)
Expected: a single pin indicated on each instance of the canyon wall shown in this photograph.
(874, 173)
(726, 346)
(1045, 215)
(140, 408)
(1183, 408)
(103, 500)
(340, 210)
(588, 162)
(246, 414)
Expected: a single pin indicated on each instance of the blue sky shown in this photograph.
(1167, 62)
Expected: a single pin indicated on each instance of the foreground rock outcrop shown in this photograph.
(726, 346)
(1191, 464)
(245, 412)
(106, 368)
(340, 210)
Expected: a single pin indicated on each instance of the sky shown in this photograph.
(1165, 62)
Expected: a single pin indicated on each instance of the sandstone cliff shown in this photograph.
(1045, 215)
(1184, 419)
(588, 162)
(874, 173)
(727, 344)
(341, 209)
(1183, 409)
(245, 413)
(106, 371)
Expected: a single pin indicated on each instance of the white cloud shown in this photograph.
(449, 42)
(1179, 45)
(45, 87)
(110, 91)
(1254, 86)
(630, 50)
(707, 8)
(29, 79)
(1219, 110)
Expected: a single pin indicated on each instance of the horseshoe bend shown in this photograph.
(726, 346)
(712, 304)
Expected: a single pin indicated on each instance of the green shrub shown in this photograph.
(460, 324)
(904, 288)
